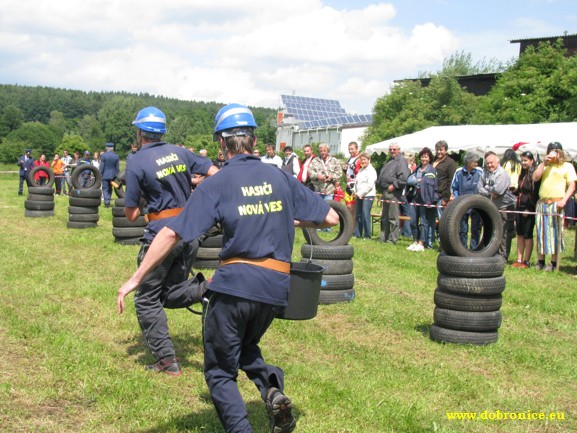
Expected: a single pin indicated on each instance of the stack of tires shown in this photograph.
(126, 232)
(333, 252)
(470, 283)
(209, 251)
(40, 200)
(84, 200)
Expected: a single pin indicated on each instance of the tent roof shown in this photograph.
(482, 138)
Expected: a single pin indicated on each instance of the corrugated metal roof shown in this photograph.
(543, 38)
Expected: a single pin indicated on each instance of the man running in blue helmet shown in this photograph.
(258, 207)
(161, 174)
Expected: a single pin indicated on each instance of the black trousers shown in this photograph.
(167, 286)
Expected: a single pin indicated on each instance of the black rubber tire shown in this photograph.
(86, 193)
(82, 210)
(462, 302)
(41, 190)
(206, 264)
(38, 205)
(119, 202)
(333, 267)
(83, 218)
(127, 241)
(208, 253)
(472, 321)
(84, 202)
(343, 252)
(338, 282)
(118, 212)
(38, 213)
(124, 222)
(80, 225)
(40, 197)
(336, 296)
(346, 228)
(120, 180)
(127, 232)
(47, 170)
(212, 242)
(471, 286)
(443, 335)
(491, 222)
(82, 168)
(471, 267)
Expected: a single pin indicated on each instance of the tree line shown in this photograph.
(49, 120)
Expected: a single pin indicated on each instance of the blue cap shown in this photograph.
(110, 145)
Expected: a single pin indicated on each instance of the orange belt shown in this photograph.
(551, 200)
(275, 265)
(153, 216)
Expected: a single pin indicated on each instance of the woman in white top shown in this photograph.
(365, 194)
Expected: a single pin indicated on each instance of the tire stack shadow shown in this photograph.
(470, 283)
(40, 200)
(335, 255)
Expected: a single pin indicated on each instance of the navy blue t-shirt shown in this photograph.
(161, 173)
(256, 204)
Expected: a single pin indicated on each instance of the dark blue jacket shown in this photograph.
(427, 191)
(26, 166)
(109, 165)
(466, 182)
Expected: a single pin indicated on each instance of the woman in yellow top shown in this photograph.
(512, 165)
(58, 168)
(557, 186)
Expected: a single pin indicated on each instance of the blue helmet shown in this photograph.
(233, 116)
(151, 119)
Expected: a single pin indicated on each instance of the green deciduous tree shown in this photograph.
(41, 138)
(11, 119)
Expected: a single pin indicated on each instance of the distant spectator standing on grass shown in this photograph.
(494, 184)
(325, 173)
(466, 181)
(26, 164)
(527, 193)
(425, 178)
(132, 152)
(392, 180)
(446, 167)
(58, 169)
(271, 157)
(364, 192)
(66, 161)
(41, 177)
(160, 173)
(351, 170)
(291, 162)
(84, 178)
(303, 176)
(109, 167)
(557, 178)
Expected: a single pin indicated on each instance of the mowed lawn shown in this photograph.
(70, 363)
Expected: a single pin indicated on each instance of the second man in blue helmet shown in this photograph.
(160, 173)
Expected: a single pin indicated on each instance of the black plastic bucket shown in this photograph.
(305, 289)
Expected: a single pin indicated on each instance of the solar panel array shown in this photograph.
(350, 119)
(314, 110)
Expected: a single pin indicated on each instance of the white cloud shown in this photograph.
(249, 52)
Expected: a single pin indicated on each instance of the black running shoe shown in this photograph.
(168, 366)
(279, 408)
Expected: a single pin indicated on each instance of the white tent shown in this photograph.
(482, 138)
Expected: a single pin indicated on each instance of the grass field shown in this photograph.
(69, 363)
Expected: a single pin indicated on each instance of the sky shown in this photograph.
(253, 51)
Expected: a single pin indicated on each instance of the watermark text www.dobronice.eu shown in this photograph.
(497, 415)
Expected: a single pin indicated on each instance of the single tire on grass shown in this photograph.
(86, 193)
(34, 182)
(83, 218)
(336, 296)
(323, 252)
(463, 302)
(338, 282)
(333, 267)
(471, 286)
(84, 202)
(38, 205)
(444, 335)
(346, 228)
(38, 213)
(472, 321)
(96, 183)
(127, 232)
(471, 267)
(491, 223)
(41, 190)
(79, 225)
(82, 210)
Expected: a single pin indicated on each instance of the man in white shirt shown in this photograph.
(271, 157)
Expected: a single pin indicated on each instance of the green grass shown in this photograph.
(69, 363)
